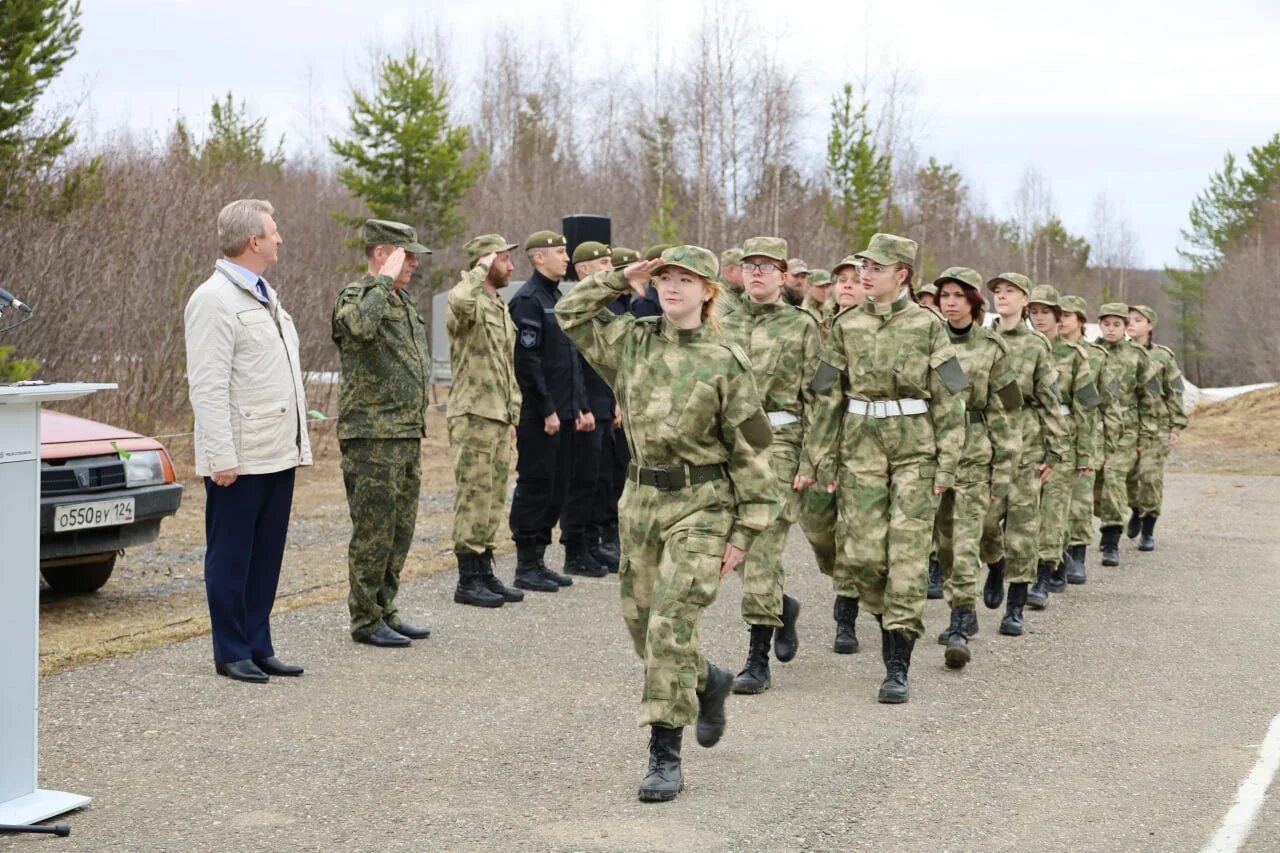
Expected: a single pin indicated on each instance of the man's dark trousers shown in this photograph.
(245, 525)
(544, 468)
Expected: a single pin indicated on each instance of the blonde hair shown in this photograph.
(709, 317)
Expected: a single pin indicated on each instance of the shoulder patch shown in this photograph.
(1153, 385)
(1010, 397)
(530, 336)
(824, 378)
(1088, 397)
(952, 375)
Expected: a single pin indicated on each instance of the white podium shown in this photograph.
(21, 801)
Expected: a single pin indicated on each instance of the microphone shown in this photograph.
(7, 298)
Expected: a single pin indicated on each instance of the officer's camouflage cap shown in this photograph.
(1114, 309)
(1146, 311)
(848, 261)
(731, 257)
(652, 253)
(590, 251)
(1046, 294)
(890, 249)
(773, 248)
(480, 246)
(795, 266)
(1075, 305)
(960, 275)
(695, 259)
(545, 240)
(927, 290)
(819, 278)
(624, 257)
(381, 232)
(1017, 279)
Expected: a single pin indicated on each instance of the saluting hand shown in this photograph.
(639, 274)
(487, 260)
(394, 263)
(733, 557)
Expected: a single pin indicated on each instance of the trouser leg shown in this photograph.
(481, 453)
(269, 536)
(533, 504)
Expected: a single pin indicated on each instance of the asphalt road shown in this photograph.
(1124, 720)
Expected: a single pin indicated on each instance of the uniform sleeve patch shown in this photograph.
(530, 336)
(1088, 397)
(1010, 397)
(952, 375)
(1153, 385)
(756, 431)
(1178, 385)
(824, 379)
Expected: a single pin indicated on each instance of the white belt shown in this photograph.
(888, 408)
(1064, 411)
(782, 419)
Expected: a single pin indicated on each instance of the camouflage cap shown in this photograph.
(773, 248)
(731, 257)
(545, 239)
(890, 249)
(960, 275)
(848, 261)
(624, 257)
(1075, 305)
(1045, 294)
(652, 253)
(795, 266)
(1017, 279)
(480, 246)
(1146, 311)
(590, 251)
(819, 278)
(382, 232)
(1114, 309)
(930, 289)
(695, 259)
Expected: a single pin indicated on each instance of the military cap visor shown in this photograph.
(695, 259)
(1016, 279)
(382, 232)
(544, 240)
(624, 257)
(591, 251)
(1114, 309)
(960, 275)
(889, 249)
(848, 261)
(480, 246)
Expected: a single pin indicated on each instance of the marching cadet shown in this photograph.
(699, 490)
(886, 438)
(794, 281)
(731, 285)
(1165, 386)
(927, 296)
(1011, 532)
(1075, 313)
(1129, 420)
(992, 444)
(782, 343)
(817, 291)
(484, 407)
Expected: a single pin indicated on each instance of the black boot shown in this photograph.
(896, 650)
(711, 720)
(471, 588)
(935, 579)
(529, 574)
(578, 561)
(993, 591)
(557, 578)
(606, 550)
(494, 585)
(1148, 540)
(786, 642)
(846, 613)
(1011, 624)
(1135, 523)
(1058, 578)
(754, 677)
(1110, 546)
(1076, 572)
(968, 624)
(665, 779)
(957, 653)
(1038, 595)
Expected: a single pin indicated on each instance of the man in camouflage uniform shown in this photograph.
(1165, 384)
(730, 281)
(382, 397)
(484, 407)
(794, 280)
(927, 296)
(782, 343)
(817, 293)
(1075, 313)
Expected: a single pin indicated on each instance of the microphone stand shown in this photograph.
(59, 829)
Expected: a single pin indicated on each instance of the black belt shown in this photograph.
(977, 416)
(676, 477)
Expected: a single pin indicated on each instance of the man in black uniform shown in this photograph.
(553, 411)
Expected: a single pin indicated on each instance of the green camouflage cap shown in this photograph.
(1146, 311)
(624, 257)
(381, 232)
(819, 278)
(1017, 279)
(1046, 294)
(773, 248)
(795, 266)
(695, 259)
(545, 239)
(848, 261)
(1114, 309)
(590, 251)
(890, 249)
(928, 290)
(480, 246)
(1075, 305)
(960, 275)
(652, 253)
(731, 257)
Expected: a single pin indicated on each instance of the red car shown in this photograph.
(97, 499)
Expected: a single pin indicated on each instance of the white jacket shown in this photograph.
(245, 381)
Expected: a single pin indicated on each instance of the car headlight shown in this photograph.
(143, 468)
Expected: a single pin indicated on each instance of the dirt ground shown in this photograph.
(1236, 436)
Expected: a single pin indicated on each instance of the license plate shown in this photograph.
(96, 514)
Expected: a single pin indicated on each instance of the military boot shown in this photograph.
(896, 649)
(846, 614)
(1058, 577)
(1011, 624)
(1135, 523)
(711, 720)
(786, 641)
(607, 551)
(471, 588)
(555, 577)
(529, 570)
(968, 624)
(665, 779)
(993, 590)
(935, 579)
(578, 561)
(754, 677)
(1077, 573)
(1110, 546)
(957, 653)
(1038, 595)
(1148, 540)
(494, 585)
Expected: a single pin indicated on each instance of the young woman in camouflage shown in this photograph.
(1080, 512)
(699, 489)
(887, 435)
(1164, 384)
(992, 443)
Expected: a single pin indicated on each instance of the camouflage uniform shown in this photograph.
(782, 344)
(1165, 385)
(816, 513)
(484, 402)
(382, 395)
(699, 476)
(1129, 420)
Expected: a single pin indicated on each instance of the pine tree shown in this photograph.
(861, 175)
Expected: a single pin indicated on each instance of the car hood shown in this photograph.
(63, 436)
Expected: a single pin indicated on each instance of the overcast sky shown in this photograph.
(1138, 99)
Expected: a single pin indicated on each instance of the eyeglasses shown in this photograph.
(765, 268)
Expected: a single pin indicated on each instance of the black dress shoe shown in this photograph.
(241, 670)
(274, 666)
(384, 637)
(410, 631)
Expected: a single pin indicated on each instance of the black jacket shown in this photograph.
(548, 367)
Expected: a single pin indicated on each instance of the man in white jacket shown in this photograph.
(250, 436)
